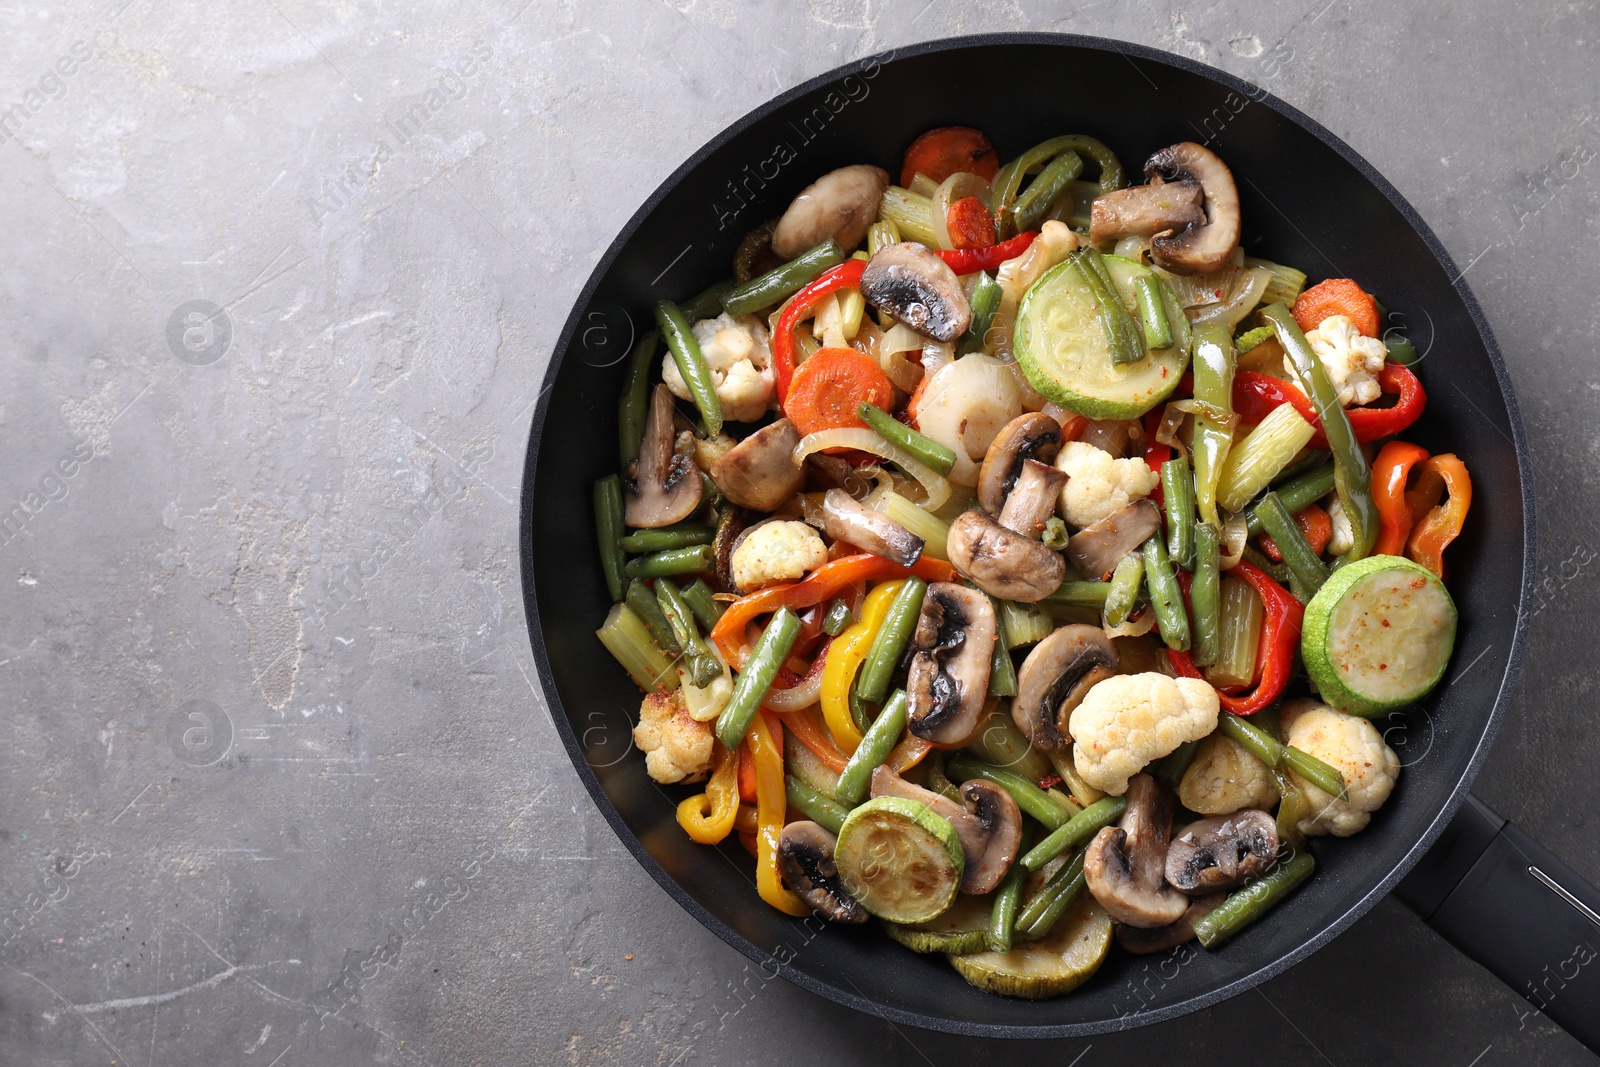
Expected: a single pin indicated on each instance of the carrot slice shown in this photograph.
(1314, 522)
(970, 224)
(916, 399)
(830, 387)
(1337, 296)
(942, 152)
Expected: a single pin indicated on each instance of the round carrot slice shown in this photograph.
(829, 388)
(942, 152)
(970, 224)
(1337, 296)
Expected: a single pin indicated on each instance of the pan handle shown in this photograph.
(1507, 902)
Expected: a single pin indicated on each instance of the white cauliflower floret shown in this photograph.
(1350, 359)
(1350, 745)
(1129, 720)
(676, 747)
(740, 358)
(778, 551)
(1098, 484)
(1225, 778)
(1343, 537)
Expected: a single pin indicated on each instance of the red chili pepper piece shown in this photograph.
(969, 260)
(1280, 636)
(846, 275)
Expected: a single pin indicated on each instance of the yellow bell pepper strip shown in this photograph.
(845, 656)
(1442, 524)
(708, 817)
(772, 803)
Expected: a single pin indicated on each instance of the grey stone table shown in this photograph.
(275, 785)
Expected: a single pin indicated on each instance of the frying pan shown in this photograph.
(1308, 200)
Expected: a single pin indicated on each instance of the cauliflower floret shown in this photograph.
(1129, 720)
(1354, 748)
(1350, 359)
(1344, 536)
(740, 358)
(1225, 778)
(1097, 484)
(676, 747)
(778, 551)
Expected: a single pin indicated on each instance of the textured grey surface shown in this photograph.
(308, 538)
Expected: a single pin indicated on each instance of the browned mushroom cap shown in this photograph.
(1002, 562)
(1145, 210)
(1096, 550)
(806, 868)
(1162, 938)
(953, 646)
(845, 519)
(841, 204)
(1054, 679)
(1033, 499)
(661, 487)
(910, 282)
(1198, 248)
(1125, 866)
(1033, 435)
(760, 472)
(730, 527)
(1222, 852)
(989, 827)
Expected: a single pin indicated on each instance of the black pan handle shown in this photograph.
(1506, 901)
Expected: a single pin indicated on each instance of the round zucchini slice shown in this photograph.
(900, 860)
(1058, 963)
(1378, 635)
(962, 927)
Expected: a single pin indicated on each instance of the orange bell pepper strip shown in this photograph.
(1442, 524)
(708, 817)
(1390, 472)
(747, 773)
(766, 745)
(908, 753)
(808, 730)
(1315, 523)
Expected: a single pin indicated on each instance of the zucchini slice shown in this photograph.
(1378, 635)
(962, 927)
(898, 858)
(1060, 962)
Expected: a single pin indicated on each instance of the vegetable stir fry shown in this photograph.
(1019, 564)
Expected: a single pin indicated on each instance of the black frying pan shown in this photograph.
(1308, 200)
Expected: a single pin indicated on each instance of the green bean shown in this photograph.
(814, 804)
(1313, 460)
(1297, 493)
(707, 609)
(874, 748)
(780, 283)
(608, 529)
(1075, 831)
(1296, 551)
(1293, 805)
(1352, 477)
(890, 642)
(633, 404)
(642, 602)
(1029, 797)
(924, 450)
(1152, 312)
(692, 367)
(693, 560)
(1169, 769)
(1045, 189)
(861, 711)
(1205, 595)
(753, 682)
(1213, 387)
(1253, 901)
(1276, 571)
(1126, 344)
(1166, 599)
(682, 535)
(1269, 750)
(837, 618)
(937, 781)
(1003, 916)
(1126, 581)
(1079, 594)
(1053, 898)
(702, 665)
(1002, 672)
(708, 304)
(1055, 535)
(985, 301)
(1177, 496)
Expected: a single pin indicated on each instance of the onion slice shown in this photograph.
(804, 693)
(864, 440)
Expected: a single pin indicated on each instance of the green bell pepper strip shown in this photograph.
(1213, 387)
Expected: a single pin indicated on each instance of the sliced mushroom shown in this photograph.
(1208, 245)
(1033, 435)
(759, 472)
(1002, 562)
(661, 487)
(806, 868)
(952, 648)
(845, 519)
(1096, 550)
(911, 282)
(989, 826)
(1161, 938)
(841, 204)
(1145, 210)
(1222, 852)
(1033, 499)
(1054, 679)
(731, 525)
(1125, 865)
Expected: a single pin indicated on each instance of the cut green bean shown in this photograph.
(1205, 594)
(837, 618)
(861, 711)
(1276, 571)
(682, 535)
(1053, 898)
(1126, 344)
(1168, 770)
(700, 665)
(1166, 599)
(1177, 497)
(708, 304)
(1080, 594)
(938, 781)
(814, 804)
(753, 682)
(1269, 750)
(890, 642)
(923, 449)
(696, 559)
(608, 529)
(1075, 831)
(1253, 901)
(1296, 551)
(1003, 915)
(985, 301)
(1297, 493)
(642, 602)
(1002, 672)
(780, 283)
(633, 404)
(707, 609)
(1029, 797)
(692, 366)
(874, 748)
(1046, 188)
(1126, 582)
(1152, 313)
(1056, 536)
(1312, 459)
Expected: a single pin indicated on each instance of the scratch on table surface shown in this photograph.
(168, 997)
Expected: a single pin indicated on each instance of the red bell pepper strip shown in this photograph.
(1255, 394)
(1442, 524)
(1280, 637)
(846, 275)
(1389, 474)
(971, 260)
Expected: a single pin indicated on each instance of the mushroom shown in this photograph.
(1002, 562)
(1032, 435)
(731, 525)
(1034, 498)
(989, 826)
(1206, 245)
(952, 648)
(1222, 852)
(1097, 549)
(841, 204)
(760, 472)
(806, 868)
(662, 486)
(1161, 938)
(911, 282)
(1145, 210)
(846, 519)
(1125, 865)
(1054, 679)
